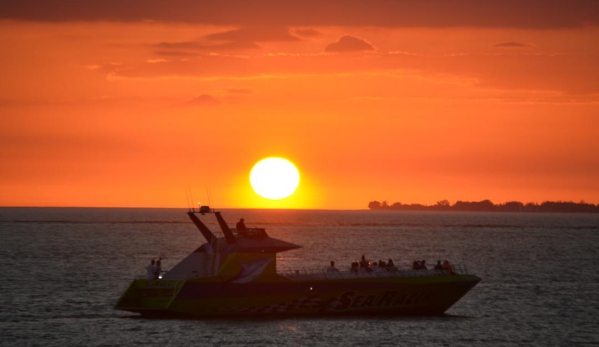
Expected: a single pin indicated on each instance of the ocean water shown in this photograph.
(64, 269)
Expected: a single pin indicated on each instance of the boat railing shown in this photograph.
(250, 232)
(319, 274)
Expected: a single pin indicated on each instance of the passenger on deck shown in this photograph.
(332, 269)
(151, 270)
(416, 265)
(391, 267)
(447, 266)
(438, 266)
(363, 262)
(423, 265)
(364, 266)
(382, 264)
(241, 228)
(354, 267)
(158, 269)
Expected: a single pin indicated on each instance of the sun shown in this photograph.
(274, 178)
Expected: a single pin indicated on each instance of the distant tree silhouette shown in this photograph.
(488, 206)
(374, 205)
(396, 205)
(513, 206)
(443, 203)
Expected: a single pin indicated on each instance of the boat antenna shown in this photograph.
(191, 194)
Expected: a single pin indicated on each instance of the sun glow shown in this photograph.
(274, 178)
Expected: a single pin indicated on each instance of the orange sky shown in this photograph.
(130, 103)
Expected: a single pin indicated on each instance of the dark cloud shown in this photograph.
(205, 47)
(254, 34)
(349, 44)
(242, 38)
(308, 32)
(380, 13)
(514, 45)
(203, 100)
(240, 91)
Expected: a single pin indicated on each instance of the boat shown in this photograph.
(236, 275)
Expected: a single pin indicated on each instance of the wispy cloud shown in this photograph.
(240, 91)
(203, 100)
(308, 32)
(254, 34)
(514, 45)
(349, 44)
(231, 40)
(168, 53)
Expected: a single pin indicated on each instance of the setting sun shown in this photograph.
(274, 178)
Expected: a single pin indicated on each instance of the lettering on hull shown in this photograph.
(154, 293)
(160, 284)
(354, 300)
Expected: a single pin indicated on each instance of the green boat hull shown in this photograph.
(211, 297)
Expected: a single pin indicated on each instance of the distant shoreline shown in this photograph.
(488, 206)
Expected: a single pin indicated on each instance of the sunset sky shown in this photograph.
(132, 103)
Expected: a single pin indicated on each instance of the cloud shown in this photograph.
(237, 39)
(254, 34)
(506, 70)
(168, 53)
(545, 14)
(204, 47)
(107, 67)
(203, 100)
(514, 45)
(240, 91)
(308, 32)
(349, 44)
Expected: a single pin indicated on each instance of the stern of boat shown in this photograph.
(149, 296)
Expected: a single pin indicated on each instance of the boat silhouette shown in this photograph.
(236, 274)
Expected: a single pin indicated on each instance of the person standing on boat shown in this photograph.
(332, 269)
(447, 266)
(158, 269)
(363, 262)
(151, 270)
(438, 266)
(241, 228)
(364, 265)
(391, 266)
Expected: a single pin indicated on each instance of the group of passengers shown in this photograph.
(421, 265)
(154, 269)
(365, 266)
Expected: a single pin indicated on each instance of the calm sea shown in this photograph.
(64, 269)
